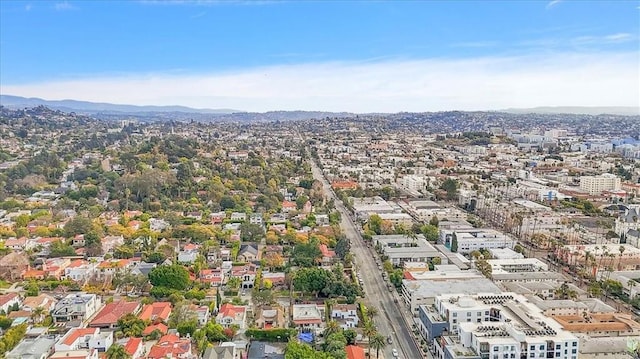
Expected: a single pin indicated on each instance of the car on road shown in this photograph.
(394, 351)
(389, 340)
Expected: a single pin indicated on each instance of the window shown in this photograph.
(479, 320)
(558, 346)
(468, 314)
(455, 315)
(486, 312)
(479, 314)
(574, 344)
(533, 347)
(542, 347)
(495, 349)
(574, 351)
(532, 355)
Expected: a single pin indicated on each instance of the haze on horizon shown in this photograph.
(330, 56)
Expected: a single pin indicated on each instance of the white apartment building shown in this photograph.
(498, 326)
(598, 184)
(473, 239)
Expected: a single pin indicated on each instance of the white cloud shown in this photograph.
(552, 3)
(603, 79)
(64, 5)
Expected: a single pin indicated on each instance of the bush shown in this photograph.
(271, 335)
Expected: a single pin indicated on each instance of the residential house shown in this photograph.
(171, 346)
(156, 312)
(226, 350)
(80, 270)
(354, 352)
(218, 217)
(248, 253)
(76, 307)
(110, 267)
(230, 314)
(142, 268)
(261, 350)
(16, 244)
(33, 348)
(109, 315)
(203, 314)
(7, 301)
(42, 300)
(238, 217)
(134, 347)
(328, 256)
(288, 206)
(277, 279)
(214, 277)
(308, 317)
(162, 328)
(346, 315)
(55, 267)
(268, 317)
(256, 218)
(188, 254)
(246, 273)
(85, 338)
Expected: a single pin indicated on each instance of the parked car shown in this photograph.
(394, 351)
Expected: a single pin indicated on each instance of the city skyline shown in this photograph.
(333, 56)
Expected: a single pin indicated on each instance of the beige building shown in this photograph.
(598, 184)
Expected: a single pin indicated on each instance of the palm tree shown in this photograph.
(117, 351)
(372, 312)
(37, 314)
(369, 330)
(621, 249)
(332, 327)
(377, 342)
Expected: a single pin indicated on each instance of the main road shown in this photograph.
(389, 321)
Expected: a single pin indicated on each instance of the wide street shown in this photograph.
(389, 320)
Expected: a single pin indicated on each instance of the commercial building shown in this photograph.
(597, 184)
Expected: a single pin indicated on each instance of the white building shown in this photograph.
(598, 184)
(85, 338)
(470, 240)
(400, 248)
(76, 306)
(498, 326)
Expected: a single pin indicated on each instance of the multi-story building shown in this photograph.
(400, 248)
(494, 326)
(76, 306)
(597, 184)
(469, 240)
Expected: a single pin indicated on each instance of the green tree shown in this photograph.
(61, 249)
(297, 350)
(131, 326)
(77, 225)
(251, 232)
(173, 277)
(311, 280)
(454, 243)
(430, 232)
(375, 223)
(377, 342)
(117, 351)
(450, 185)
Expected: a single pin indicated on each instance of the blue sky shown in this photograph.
(324, 55)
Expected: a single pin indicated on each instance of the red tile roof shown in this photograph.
(354, 352)
(161, 327)
(76, 333)
(110, 314)
(132, 345)
(156, 311)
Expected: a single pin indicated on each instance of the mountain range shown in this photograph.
(93, 108)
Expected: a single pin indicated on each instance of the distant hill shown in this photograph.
(98, 107)
(611, 110)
